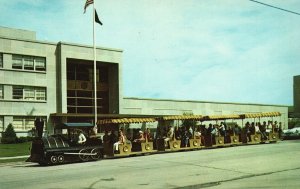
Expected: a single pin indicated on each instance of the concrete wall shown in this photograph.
(9, 77)
(22, 42)
(17, 33)
(178, 107)
(104, 55)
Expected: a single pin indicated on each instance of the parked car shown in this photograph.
(293, 133)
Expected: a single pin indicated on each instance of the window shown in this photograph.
(40, 93)
(29, 93)
(1, 92)
(40, 64)
(29, 63)
(17, 62)
(24, 123)
(29, 123)
(18, 123)
(17, 92)
(1, 60)
(1, 124)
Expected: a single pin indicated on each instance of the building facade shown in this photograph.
(179, 107)
(40, 79)
(55, 81)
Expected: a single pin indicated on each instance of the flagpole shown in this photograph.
(95, 68)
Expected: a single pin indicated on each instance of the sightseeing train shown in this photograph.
(172, 133)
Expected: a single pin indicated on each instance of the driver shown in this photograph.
(81, 137)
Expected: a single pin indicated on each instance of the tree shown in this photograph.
(9, 136)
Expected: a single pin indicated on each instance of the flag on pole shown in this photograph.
(97, 18)
(87, 3)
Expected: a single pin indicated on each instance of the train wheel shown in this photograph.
(97, 154)
(195, 143)
(53, 159)
(125, 149)
(83, 155)
(175, 144)
(61, 159)
(147, 147)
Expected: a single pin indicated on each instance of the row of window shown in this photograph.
(28, 63)
(21, 123)
(24, 62)
(26, 93)
(1, 92)
(25, 123)
(29, 93)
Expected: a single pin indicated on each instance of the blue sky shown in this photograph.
(217, 50)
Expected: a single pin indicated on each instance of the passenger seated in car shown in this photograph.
(222, 129)
(185, 138)
(252, 128)
(209, 129)
(215, 131)
(140, 137)
(147, 135)
(170, 134)
(81, 138)
(113, 137)
(121, 140)
(237, 129)
(106, 137)
(178, 133)
(262, 129)
(247, 131)
(197, 134)
(129, 135)
(257, 131)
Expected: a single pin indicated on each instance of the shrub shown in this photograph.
(24, 139)
(21, 139)
(9, 136)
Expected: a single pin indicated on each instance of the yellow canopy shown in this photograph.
(126, 120)
(222, 117)
(258, 115)
(182, 117)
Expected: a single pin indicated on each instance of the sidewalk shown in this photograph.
(15, 157)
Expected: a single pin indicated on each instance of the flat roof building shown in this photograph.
(55, 81)
(39, 78)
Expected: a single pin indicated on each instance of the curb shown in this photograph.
(15, 157)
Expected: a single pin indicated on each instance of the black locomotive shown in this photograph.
(65, 147)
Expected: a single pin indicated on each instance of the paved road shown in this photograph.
(255, 166)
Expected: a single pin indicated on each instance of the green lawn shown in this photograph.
(11, 150)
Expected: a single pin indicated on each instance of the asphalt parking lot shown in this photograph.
(252, 166)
